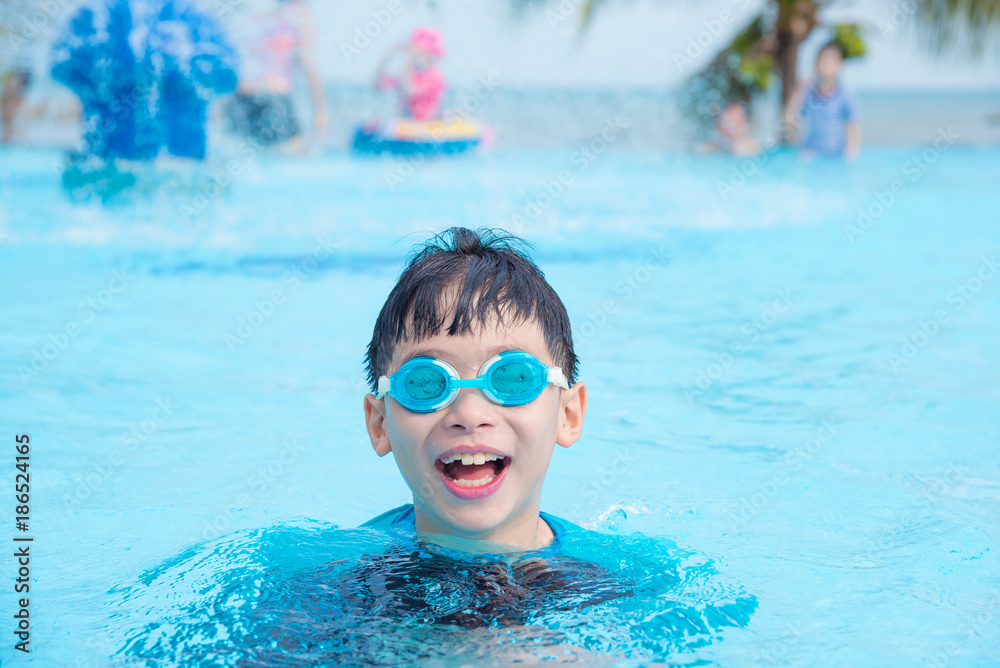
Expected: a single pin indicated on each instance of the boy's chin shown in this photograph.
(475, 517)
(472, 518)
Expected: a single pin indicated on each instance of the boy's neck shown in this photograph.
(827, 85)
(531, 533)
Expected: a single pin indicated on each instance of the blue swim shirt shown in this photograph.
(404, 518)
(828, 116)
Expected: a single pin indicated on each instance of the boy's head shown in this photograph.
(464, 298)
(829, 60)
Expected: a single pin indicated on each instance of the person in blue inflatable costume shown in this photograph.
(145, 73)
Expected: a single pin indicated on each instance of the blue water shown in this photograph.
(792, 427)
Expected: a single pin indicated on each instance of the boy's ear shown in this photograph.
(572, 406)
(375, 422)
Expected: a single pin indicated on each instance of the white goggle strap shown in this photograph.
(556, 376)
(384, 385)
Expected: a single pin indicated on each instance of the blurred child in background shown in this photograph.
(830, 110)
(732, 133)
(421, 84)
(279, 44)
(14, 83)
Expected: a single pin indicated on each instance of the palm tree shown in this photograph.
(768, 45)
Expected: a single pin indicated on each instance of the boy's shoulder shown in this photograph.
(397, 515)
(559, 526)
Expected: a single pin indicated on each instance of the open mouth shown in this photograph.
(472, 469)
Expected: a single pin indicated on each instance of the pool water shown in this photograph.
(316, 595)
(790, 450)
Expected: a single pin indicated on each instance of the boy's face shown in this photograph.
(828, 63)
(524, 435)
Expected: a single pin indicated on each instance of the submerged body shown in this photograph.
(384, 594)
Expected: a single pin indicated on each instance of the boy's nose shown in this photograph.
(471, 409)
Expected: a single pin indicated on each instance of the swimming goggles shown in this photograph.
(512, 378)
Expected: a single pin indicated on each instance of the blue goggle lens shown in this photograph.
(513, 379)
(425, 383)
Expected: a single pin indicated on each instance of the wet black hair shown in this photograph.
(832, 44)
(495, 277)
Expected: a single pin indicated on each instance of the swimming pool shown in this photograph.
(792, 373)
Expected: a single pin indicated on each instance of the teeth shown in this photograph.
(474, 483)
(468, 458)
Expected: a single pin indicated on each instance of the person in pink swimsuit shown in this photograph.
(422, 85)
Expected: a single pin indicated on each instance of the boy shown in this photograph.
(471, 355)
(474, 379)
(830, 110)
